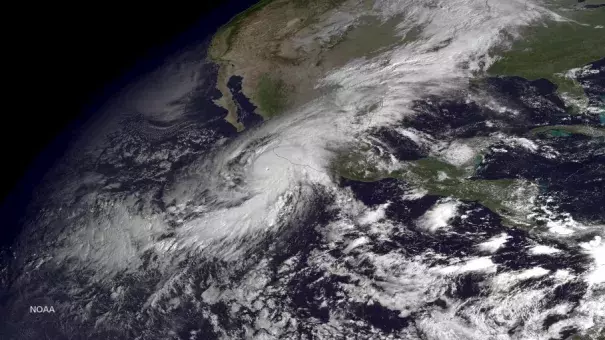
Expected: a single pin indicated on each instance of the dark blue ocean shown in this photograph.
(13, 209)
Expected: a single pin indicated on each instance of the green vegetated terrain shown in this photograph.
(508, 197)
(355, 164)
(271, 95)
(261, 45)
(551, 49)
(443, 179)
(568, 130)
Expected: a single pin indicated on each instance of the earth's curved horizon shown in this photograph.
(365, 169)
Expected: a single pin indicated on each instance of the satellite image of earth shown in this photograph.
(335, 169)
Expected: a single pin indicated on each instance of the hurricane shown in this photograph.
(404, 194)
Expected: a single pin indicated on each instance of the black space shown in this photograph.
(62, 61)
(62, 58)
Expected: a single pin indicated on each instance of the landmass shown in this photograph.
(556, 47)
(281, 48)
